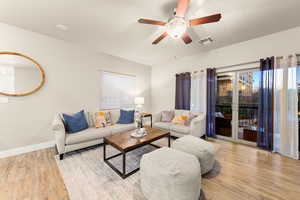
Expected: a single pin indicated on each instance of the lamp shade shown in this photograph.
(139, 101)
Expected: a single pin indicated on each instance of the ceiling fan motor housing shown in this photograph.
(176, 27)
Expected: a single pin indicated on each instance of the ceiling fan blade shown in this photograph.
(182, 7)
(186, 38)
(205, 20)
(162, 36)
(150, 21)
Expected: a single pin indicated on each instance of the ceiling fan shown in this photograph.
(176, 27)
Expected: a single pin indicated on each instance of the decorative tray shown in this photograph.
(137, 134)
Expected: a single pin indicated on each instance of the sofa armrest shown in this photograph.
(59, 133)
(156, 117)
(198, 126)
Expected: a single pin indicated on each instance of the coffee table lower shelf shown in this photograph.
(123, 173)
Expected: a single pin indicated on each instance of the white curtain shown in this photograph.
(198, 91)
(286, 107)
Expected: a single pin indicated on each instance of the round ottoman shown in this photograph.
(203, 150)
(168, 174)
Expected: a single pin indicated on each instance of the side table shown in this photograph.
(144, 115)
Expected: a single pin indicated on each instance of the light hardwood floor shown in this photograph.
(242, 173)
(31, 176)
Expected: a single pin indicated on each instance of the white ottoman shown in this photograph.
(168, 174)
(203, 150)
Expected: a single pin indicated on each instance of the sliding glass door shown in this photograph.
(237, 106)
(224, 102)
(248, 97)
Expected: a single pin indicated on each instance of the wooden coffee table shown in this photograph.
(125, 143)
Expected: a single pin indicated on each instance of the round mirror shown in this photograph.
(20, 75)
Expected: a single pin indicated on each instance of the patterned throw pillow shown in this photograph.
(167, 116)
(108, 119)
(190, 118)
(102, 119)
(180, 119)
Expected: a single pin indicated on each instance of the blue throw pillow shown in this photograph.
(126, 117)
(76, 122)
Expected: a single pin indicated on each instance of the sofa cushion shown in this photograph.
(115, 115)
(87, 135)
(100, 120)
(180, 128)
(167, 116)
(76, 122)
(181, 119)
(126, 117)
(162, 125)
(118, 128)
(89, 116)
(190, 118)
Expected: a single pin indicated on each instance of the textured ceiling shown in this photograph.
(111, 27)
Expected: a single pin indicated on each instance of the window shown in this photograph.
(117, 90)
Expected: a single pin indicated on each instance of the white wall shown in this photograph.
(163, 76)
(71, 85)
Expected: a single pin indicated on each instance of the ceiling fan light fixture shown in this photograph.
(176, 27)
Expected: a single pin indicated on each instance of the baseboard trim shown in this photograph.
(26, 149)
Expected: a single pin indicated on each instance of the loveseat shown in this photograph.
(66, 142)
(196, 128)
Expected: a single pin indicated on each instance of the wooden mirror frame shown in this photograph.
(37, 65)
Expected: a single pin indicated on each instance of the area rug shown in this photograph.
(87, 177)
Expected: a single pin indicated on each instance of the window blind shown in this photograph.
(117, 90)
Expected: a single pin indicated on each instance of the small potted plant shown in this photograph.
(138, 120)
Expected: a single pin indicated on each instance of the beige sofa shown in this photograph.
(92, 136)
(197, 127)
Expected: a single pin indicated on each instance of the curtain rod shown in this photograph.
(246, 63)
(236, 65)
(281, 57)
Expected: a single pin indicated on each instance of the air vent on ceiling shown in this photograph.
(206, 41)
